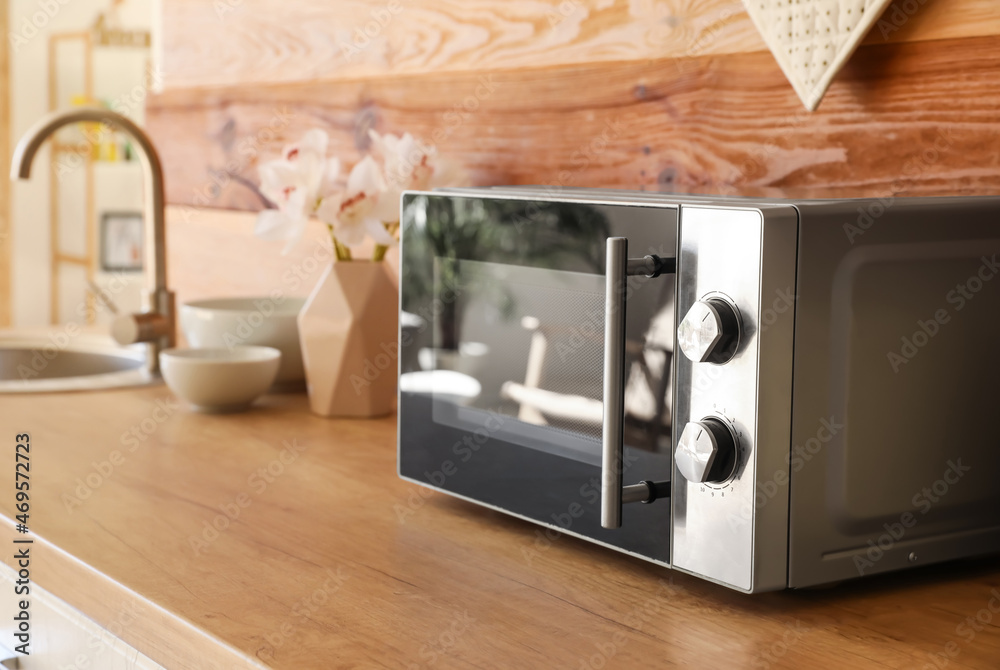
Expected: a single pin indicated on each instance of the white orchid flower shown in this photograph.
(304, 183)
(406, 161)
(449, 173)
(410, 165)
(351, 213)
(295, 183)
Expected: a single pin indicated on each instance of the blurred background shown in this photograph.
(640, 94)
(76, 226)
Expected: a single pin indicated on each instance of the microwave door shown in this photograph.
(503, 358)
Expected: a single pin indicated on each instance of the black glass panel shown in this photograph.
(502, 358)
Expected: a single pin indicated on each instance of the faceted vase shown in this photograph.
(348, 330)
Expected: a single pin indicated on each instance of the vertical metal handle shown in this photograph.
(612, 442)
(618, 268)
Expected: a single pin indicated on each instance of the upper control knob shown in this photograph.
(710, 331)
(706, 451)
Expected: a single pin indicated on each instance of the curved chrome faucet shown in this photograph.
(157, 324)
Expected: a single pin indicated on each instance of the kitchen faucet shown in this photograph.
(155, 326)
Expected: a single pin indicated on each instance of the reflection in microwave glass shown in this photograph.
(528, 343)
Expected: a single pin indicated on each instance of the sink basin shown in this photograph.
(37, 363)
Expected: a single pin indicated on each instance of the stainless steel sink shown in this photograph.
(41, 363)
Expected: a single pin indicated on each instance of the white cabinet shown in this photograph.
(62, 638)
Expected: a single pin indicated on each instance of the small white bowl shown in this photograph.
(220, 380)
(230, 322)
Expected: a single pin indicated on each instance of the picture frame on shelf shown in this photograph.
(121, 241)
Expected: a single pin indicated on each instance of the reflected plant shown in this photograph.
(553, 235)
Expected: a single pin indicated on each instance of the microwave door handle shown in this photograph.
(618, 268)
(612, 438)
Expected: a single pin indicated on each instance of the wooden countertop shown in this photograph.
(327, 560)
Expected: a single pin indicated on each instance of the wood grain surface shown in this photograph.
(325, 559)
(272, 41)
(909, 118)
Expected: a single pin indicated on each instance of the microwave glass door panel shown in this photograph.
(502, 348)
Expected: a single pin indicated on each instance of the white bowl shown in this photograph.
(224, 323)
(220, 380)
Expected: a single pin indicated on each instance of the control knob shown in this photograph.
(706, 451)
(710, 331)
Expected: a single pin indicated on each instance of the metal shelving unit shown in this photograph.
(62, 149)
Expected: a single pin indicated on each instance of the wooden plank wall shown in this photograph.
(623, 93)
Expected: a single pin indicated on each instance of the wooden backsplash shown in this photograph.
(213, 254)
(632, 94)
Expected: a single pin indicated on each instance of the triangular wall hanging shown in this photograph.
(812, 39)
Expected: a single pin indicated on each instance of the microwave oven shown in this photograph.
(764, 393)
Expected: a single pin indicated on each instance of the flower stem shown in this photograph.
(380, 249)
(343, 253)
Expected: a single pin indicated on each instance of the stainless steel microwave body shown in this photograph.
(763, 393)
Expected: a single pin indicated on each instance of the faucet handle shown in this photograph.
(145, 327)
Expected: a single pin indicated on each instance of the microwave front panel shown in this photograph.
(730, 523)
(501, 359)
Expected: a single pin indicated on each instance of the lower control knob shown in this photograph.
(706, 451)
